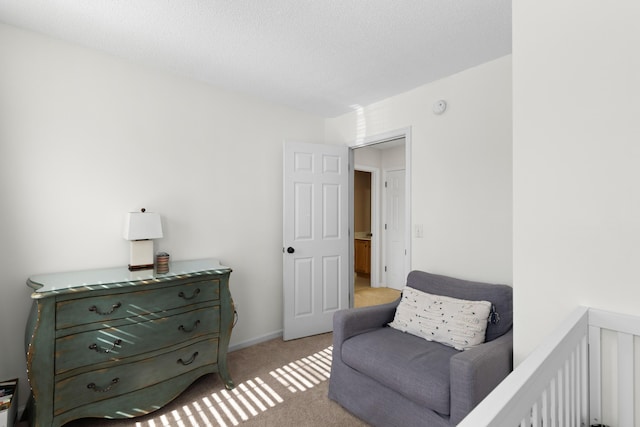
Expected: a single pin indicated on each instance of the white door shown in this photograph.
(394, 232)
(315, 237)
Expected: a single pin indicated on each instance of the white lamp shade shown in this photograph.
(142, 225)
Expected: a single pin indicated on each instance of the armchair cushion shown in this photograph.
(416, 368)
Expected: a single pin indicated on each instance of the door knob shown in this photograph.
(290, 250)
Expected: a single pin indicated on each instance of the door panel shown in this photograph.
(315, 227)
(303, 211)
(331, 275)
(303, 289)
(331, 211)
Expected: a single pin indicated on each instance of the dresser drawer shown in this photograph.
(110, 344)
(123, 378)
(103, 308)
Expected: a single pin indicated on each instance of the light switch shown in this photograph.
(419, 231)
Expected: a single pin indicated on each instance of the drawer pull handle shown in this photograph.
(195, 325)
(95, 347)
(114, 307)
(188, 362)
(94, 387)
(195, 294)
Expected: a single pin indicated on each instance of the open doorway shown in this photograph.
(381, 225)
(364, 180)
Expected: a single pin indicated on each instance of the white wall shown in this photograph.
(393, 158)
(461, 168)
(576, 149)
(85, 138)
(368, 156)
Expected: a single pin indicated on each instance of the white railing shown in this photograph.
(560, 384)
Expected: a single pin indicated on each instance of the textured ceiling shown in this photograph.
(321, 56)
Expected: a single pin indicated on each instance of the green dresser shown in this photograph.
(115, 343)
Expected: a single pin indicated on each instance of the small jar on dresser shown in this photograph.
(115, 343)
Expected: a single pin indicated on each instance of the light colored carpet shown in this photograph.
(365, 295)
(278, 383)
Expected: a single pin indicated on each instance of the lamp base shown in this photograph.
(141, 255)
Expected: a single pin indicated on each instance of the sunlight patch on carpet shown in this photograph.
(225, 408)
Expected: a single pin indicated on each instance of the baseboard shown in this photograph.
(254, 341)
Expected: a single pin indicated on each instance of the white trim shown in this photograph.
(407, 189)
(614, 321)
(262, 338)
(383, 137)
(595, 375)
(626, 377)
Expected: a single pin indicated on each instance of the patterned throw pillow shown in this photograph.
(454, 322)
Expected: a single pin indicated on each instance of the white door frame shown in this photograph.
(375, 222)
(376, 139)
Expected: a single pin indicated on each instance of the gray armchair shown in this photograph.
(391, 378)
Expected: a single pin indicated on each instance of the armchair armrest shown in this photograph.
(477, 371)
(354, 321)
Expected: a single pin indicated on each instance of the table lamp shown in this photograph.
(140, 228)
